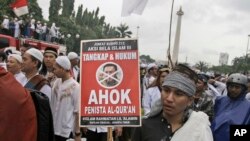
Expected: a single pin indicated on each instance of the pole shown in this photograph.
(110, 135)
(247, 45)
(170, 63)
(246, 58)
(137, 34)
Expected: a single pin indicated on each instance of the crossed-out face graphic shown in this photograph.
(109, 75)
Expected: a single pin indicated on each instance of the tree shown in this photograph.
(67, 7)
(146, 59)
(5, 9)
(35, 10)
(55, 6)
(202, 66)
(79, 15)
(123, 31)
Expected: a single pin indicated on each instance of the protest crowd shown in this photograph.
(177, 103)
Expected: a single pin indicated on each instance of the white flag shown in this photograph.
(133, 6)
(20, 7)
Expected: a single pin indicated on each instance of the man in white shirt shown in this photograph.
(32, 61)
(74, 60)
(65, 102)
(14, 64)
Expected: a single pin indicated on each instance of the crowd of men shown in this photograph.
(177, 103)
(31, 28)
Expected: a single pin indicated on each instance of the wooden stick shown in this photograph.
(110, 134)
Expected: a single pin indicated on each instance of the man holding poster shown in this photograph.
(113, 97)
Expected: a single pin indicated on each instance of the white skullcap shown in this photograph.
(64, 62)
(72, 55)
(151, 65)
(17, 52)
(35, 53)
(143, 65)
(17, 57)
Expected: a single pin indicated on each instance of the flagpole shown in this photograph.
(170, 63)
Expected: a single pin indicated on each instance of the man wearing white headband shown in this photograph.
(65, 102)
(32, 62)
(14, 64)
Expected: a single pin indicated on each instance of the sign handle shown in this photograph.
(110, 134)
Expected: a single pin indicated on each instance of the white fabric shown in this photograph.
(76, 72)
(64, 62)
(100, 129)
(35, 53)
(17, 57)
(197, 128)
(151, 65)
(147, 80)
(149, 98)
(3, 65)
(133, 6)
(248, 96)
(17, 29)
(21, 78)
(220, 86)
(65, 105)
(21, 10)
(72, 55)
(5, 23)
(46, 89)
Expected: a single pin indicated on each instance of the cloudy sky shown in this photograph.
(209, 27)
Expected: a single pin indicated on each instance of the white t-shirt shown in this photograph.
(65, 105)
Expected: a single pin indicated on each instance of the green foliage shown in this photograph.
(146, 59)
(55, 6)
(35, 10)
(202, 66)
(123, 31)
(67, 7)
(224, 69)
(5, 8)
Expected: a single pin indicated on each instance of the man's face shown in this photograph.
(234, 90)
(49, 60)
(200, 86)
(74, 62)
(110, 70)
(22, 50)
(57, 70)
(28, 63)
(174, 101)
(162, 77)
(13, 65)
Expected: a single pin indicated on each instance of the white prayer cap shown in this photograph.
(35, 53)
(17, 52)
(151, 65)
(72, 55)
(143, 65)
(64, 62)
(17, 57)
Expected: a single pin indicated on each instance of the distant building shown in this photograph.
(223, 60)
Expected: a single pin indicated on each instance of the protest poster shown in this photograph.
(110, 88)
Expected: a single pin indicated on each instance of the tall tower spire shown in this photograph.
(177, 37)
